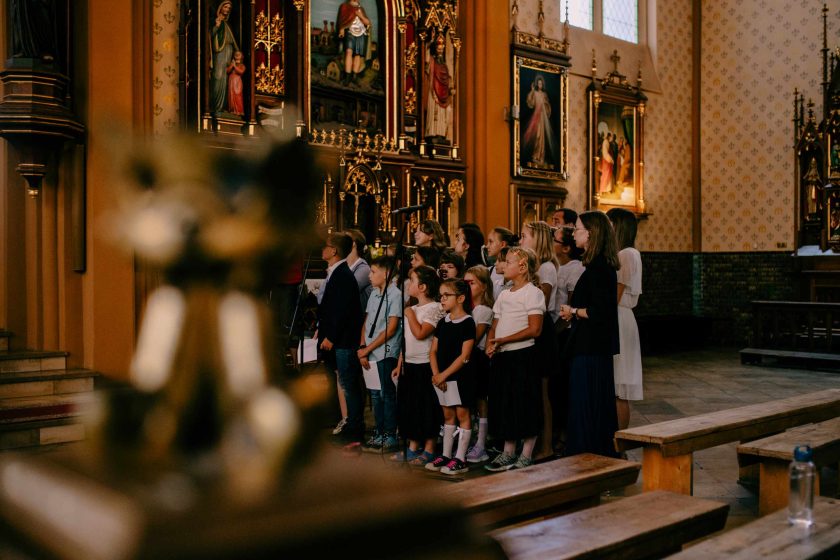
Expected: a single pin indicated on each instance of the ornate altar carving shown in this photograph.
(817, 160)
(371, 84)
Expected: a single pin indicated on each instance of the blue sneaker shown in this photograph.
(388, 444)
(374, 444)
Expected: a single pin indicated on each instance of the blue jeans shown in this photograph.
(349, 373)
(385, 400)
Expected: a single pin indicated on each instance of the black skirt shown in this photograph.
(593, 419)
(514, 404)
(481, 371)
(546, 348)
(419, 415)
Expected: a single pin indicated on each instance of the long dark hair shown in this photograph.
(625, 225)
(506, 236)
(601, 238)
(475, 240)
(428, 276)
(431, 227)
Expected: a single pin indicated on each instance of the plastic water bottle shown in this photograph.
(802, 473)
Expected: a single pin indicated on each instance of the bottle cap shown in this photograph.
(802, 453)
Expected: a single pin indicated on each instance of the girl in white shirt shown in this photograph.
(418, 413)
(627, 366)
(478, 279)
(514, 410)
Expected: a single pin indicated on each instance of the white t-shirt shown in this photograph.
(482, 315)
(417, 351)
(630, 274)
(548, 275)
(567, 278)
(512, 310)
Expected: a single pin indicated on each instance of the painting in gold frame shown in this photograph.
(540, 124)
(616, 146)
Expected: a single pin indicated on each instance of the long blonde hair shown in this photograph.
(530, 257)
(544, 238)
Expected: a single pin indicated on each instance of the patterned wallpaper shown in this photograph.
(668, 124)
(754, 54)
(165, 16)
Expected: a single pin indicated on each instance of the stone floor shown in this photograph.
(685, 384)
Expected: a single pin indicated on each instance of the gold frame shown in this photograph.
(561, 171)
(614, 88)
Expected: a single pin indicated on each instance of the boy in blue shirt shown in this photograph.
(381, 342)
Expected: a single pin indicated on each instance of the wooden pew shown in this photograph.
(648, 525)
(772, 538)
(774, 454)
(668, 446)
(562, 485)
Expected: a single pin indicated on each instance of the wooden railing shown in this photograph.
(795, 329)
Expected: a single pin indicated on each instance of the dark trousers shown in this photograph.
(349, 373)
(385, 400)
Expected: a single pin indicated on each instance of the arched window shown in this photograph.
(616, 18)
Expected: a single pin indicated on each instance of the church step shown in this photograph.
(32, 360)
(53, 382)
(22, 409)
(40, 432)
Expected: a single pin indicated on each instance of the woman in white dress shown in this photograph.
(627, 365)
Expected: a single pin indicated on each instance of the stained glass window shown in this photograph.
(580, 13)
(621, 19)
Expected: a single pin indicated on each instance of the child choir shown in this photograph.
(502, 350)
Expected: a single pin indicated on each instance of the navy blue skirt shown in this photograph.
(514, 403)
(593, 420)
(419, 415)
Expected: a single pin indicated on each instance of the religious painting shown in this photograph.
(616, 139)
(832, 196)
(347, 74)
(226, 65)
(540, 117)
(834, 156)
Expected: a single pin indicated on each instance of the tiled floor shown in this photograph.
(686, 384)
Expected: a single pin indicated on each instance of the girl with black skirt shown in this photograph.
(481, 290)
(593, 340)
(418, 413)
(515, 391)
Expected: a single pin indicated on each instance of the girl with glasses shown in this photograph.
(514, 400)
(452, 374)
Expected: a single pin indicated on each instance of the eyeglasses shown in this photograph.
(447, 295)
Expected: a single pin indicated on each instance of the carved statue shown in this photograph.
(223, 46)
(33, 29)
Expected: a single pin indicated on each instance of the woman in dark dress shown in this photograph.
(593, 340)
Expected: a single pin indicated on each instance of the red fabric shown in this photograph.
(235, 102)
(440, 82)
(293, 274)
(346, 15)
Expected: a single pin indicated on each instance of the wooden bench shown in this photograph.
(648, 525)
(667, 461)
(774, 454)
(772, 538)
(562, 485)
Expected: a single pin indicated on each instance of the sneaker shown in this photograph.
(503, 462)
(389, 443)
(476, 455)
(422, 459)
(522, 462)
(339, 427)
(438, 463)
(455, 466)
(374, 444)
